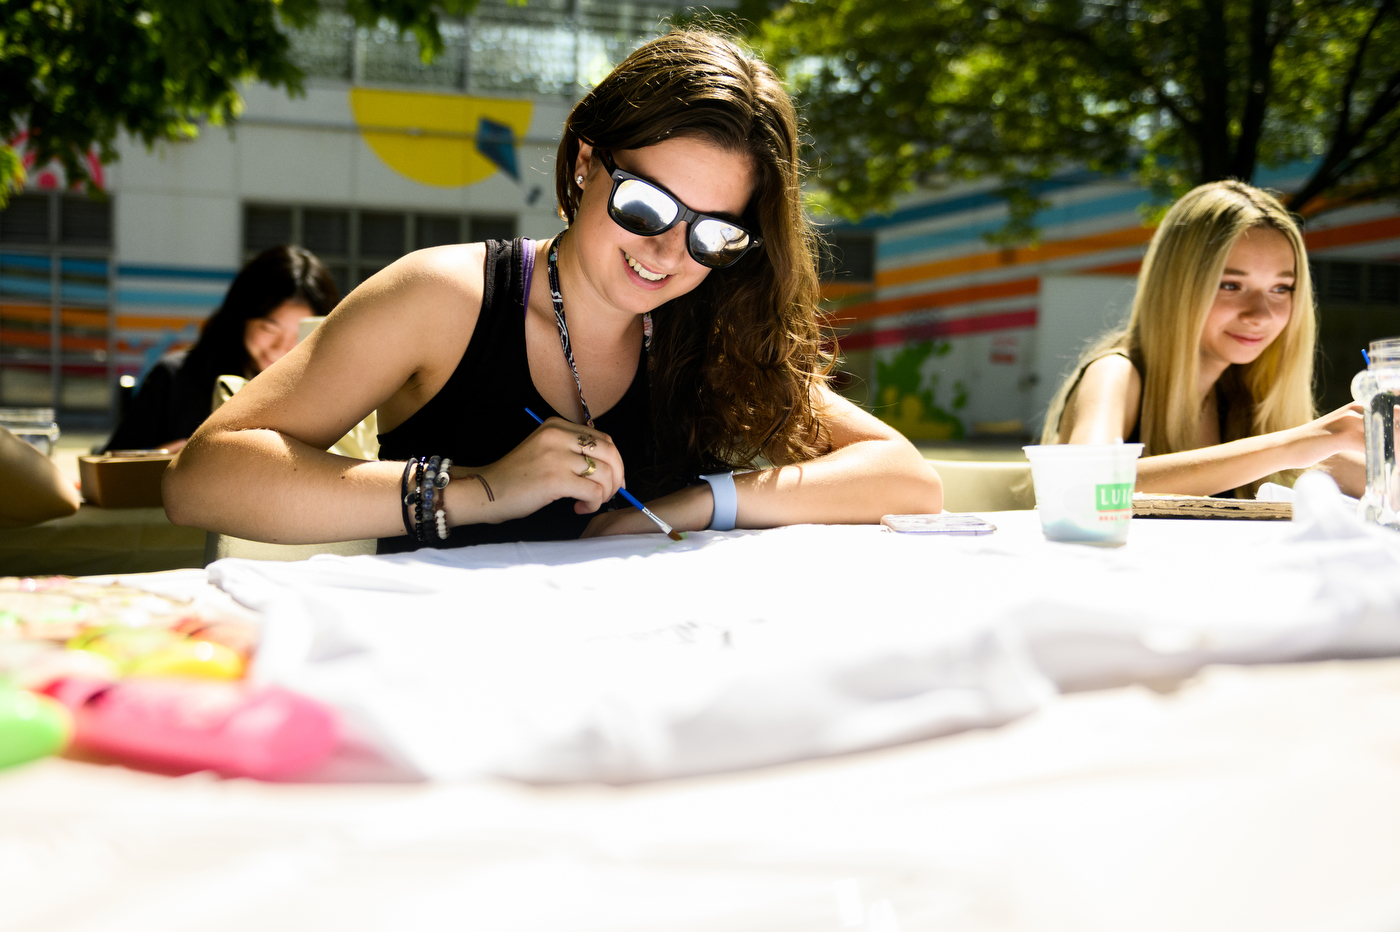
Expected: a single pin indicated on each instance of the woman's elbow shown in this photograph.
(917, 488)
(173, 495)
(919, 491)
(928, 492)
(180, 490)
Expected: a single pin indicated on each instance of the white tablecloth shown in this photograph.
(1250, 798)
(638, 658)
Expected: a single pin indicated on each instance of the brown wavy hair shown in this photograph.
(735, 362)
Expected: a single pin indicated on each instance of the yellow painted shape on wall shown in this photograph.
(431, 138)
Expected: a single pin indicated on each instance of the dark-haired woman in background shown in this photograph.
(254, 327)
(670, 331)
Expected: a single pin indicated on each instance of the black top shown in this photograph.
(173, 400)
(479, 414)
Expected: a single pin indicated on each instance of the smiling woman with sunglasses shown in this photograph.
(668, 336)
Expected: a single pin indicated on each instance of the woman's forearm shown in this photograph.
(856, 484)
(263, 485)
(34, 489)
(1215, 469)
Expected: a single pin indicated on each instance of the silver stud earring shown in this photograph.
(578, 180)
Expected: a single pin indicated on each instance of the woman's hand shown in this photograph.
(1340, 431)
(550, 464)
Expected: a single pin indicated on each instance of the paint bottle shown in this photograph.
(31, 726)
(232, 728)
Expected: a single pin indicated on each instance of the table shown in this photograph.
(1228, 797)
(101, 540)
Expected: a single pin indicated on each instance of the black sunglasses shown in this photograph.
(647, 209)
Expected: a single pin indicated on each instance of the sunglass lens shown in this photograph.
(717, 243)
(641, 208)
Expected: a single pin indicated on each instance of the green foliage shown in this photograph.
(75, 73)
(903, 377)
(899, 93)
(905, 370)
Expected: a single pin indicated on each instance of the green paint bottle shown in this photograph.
(31, 726)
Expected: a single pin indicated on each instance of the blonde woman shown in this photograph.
(1213, 372)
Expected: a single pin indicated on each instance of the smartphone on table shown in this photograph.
(945, 523)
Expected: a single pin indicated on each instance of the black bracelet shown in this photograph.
(403, 497)
(427, 489)
(418, 499)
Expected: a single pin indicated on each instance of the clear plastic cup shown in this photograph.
(1084, 492)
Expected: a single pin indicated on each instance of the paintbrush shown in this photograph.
(665, 528)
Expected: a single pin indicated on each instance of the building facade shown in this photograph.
(381, 156)
(942, 334)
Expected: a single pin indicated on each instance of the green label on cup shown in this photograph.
(1113, 497)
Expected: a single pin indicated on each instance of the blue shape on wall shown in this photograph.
(496, 142)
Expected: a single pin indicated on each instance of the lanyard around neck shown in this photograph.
(558, 300)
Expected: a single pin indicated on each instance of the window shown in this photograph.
(540, 47)
(55, 305)
(1363, 282)
(354, 244)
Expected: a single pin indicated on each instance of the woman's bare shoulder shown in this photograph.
(433, 293)
(1112, 371)
(1104, 403)
(454, 273)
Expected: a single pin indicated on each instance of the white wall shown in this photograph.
(180, 204)
(1074, 309)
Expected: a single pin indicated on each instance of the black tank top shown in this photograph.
(479, 414)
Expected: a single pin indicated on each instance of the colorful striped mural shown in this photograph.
(982, 309)
(160, 308)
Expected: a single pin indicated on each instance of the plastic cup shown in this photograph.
(1084, 492)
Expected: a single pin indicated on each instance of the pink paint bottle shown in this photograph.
(232, 728)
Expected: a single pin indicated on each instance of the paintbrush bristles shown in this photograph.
(675, 535)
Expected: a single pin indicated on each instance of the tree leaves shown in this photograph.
(899, 93)
(75, 73)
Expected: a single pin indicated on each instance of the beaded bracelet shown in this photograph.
(406, 497)
(427, 483)
(431, 476)
(418, 498)
(443, 478)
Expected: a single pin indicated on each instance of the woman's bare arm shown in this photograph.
(872, 470)
(257, 468)
(1104, 408)
(34, 490)
(1229, 465)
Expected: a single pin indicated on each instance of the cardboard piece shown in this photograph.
(1200, 506)
(130, 479)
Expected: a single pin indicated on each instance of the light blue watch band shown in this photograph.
(726, 501)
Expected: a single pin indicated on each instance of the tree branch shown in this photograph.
(1129, 67)
(1354, 73)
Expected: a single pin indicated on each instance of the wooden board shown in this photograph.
(1200, 506)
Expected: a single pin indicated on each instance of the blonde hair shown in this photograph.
(1176, 287)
